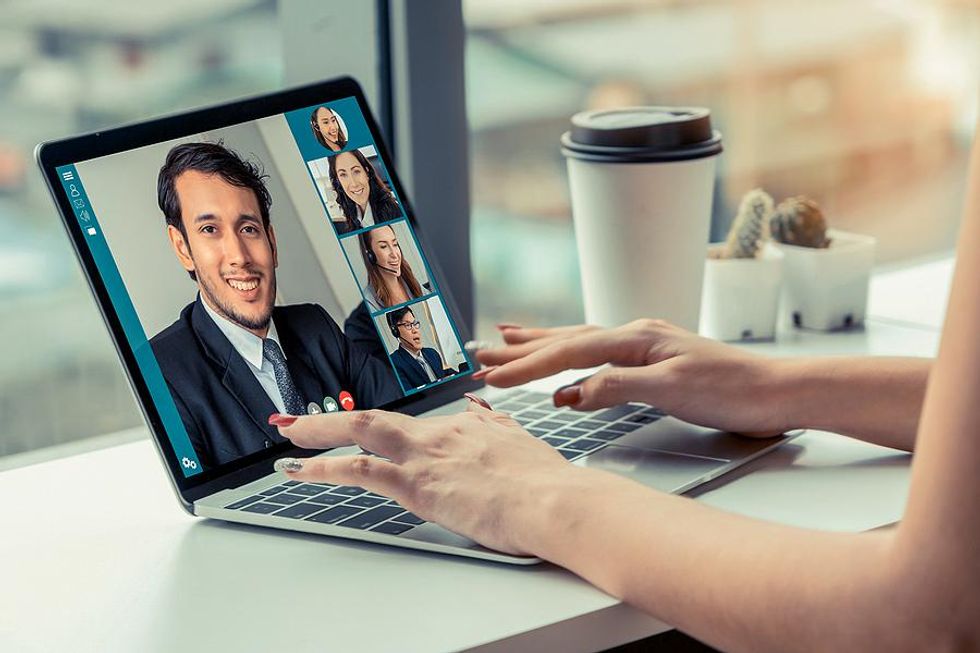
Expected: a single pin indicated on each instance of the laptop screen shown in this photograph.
(268, 266)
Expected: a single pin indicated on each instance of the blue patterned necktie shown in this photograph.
(290, 397)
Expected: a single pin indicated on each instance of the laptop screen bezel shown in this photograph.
(53, 154)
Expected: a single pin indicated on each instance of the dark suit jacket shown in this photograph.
(411, 371)
(222, 405)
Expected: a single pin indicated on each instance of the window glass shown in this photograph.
(69, 67)
(866, 106)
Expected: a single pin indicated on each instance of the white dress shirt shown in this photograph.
(366, 216)
(249, 346)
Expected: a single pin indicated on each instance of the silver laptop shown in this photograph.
(261, 257)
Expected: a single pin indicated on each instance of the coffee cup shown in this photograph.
(642, 183)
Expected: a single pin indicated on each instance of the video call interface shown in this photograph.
(266, 267)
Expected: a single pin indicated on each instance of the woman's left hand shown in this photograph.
(477, 473)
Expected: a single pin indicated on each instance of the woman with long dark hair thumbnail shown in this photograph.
(327, 129)
(391, 280)
(363, 198)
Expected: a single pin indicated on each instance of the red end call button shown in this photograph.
(346, 401)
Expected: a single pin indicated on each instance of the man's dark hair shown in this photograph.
(396, 316)
(209, 159)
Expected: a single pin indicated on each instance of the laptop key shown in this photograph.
(335, 514)
(641, 418)
(241, 503)
(349, 490)
(371, 517)
(262, 508)
(327, 499)
(536, 432)
(272, 490)
(366, 501)
(392, 528)
(300, 510)
(616, 412)
(285, 498)
(308, 490)
(408, 518)
(568, 453)
(607, 435)
(585, 444)
(551, 425)
(622, 427)
(570, 433)
(555, 442)
(591, 424)
(290, 483)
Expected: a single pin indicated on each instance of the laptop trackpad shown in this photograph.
(670, 472)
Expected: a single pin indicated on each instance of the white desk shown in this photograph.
(98, 557)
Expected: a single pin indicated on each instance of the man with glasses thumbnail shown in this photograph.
(416, 365)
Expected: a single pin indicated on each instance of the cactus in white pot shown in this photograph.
(742, 276)
(826, 272)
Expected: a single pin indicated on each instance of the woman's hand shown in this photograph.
(472, 472)
(693, 378)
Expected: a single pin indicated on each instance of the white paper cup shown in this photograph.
(642, 182)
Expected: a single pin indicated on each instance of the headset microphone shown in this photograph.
(373, 260)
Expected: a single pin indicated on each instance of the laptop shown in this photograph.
(261, 256)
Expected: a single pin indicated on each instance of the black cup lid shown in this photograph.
(641, 135)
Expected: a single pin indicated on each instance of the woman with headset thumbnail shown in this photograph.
(362, 196)
(390, 279)
(416, 364)
(327, 129)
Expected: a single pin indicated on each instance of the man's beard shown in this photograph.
(229, 311)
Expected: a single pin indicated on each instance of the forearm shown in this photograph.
(877, 399)
(735, 583)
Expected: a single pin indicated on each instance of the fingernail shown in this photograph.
(288, 465)
(568, 395)
(476, 345)
(506, 325)
(275, 419)
(479, 374)
(478, 400)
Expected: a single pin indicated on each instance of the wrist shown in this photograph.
(547, 505)
(796, 386)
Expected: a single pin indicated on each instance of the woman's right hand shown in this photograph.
(696, 379)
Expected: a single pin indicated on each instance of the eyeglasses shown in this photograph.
(410, 325)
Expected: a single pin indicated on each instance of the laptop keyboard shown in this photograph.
(573, 433)
(324, 503)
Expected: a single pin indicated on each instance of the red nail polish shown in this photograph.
(568, 396)
(478, 400)
(504, 325)
(275, 419)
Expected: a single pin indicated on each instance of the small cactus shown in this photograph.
(799, 221)
(750, 229)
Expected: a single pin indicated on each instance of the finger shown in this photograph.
(521, 335)
(369, 472)
(381, 432)
(582, 351)
(500, 418)
(500, 355)
(613, 386)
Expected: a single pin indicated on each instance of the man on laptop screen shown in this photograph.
(232, 357)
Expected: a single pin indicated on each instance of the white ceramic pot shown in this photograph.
(741, 296)
(827, 289)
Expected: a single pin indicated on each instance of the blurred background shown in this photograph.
(868, 106)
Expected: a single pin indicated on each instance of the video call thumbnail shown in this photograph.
(388, 265)
(422, 344)
(355, 189)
